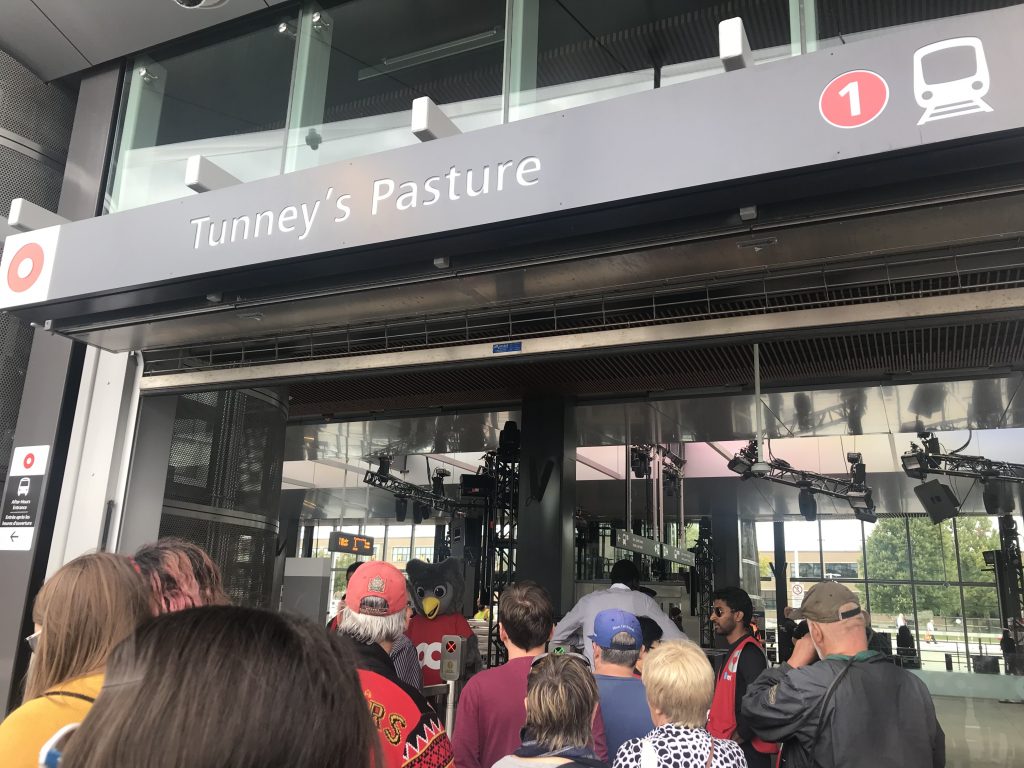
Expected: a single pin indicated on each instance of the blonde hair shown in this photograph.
(679, 682)
(560, 699)
(84, 610)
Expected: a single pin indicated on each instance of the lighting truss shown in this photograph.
(403, 489)
(856, 494)
(928, 459)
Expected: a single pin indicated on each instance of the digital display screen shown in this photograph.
(351, 543)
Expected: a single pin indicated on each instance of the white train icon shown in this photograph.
(951, 98)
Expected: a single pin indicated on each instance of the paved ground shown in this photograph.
(981, 733)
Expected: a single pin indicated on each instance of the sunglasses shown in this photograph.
(719, 611)
(558, 652)
(33, 641)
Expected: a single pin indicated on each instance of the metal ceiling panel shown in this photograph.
(31, 38)
(55, 38)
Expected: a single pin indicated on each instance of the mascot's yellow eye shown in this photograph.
(440, 591)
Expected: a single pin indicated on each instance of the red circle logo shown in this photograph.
(30, 459)
(31, 256)
(853, 99)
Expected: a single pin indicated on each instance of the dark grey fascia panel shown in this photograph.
(750, 124)
(55, 38)
(28, 36)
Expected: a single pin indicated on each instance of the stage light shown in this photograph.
(420, 512)
(739, 464)
(509, 441)
(385, 465)
(860, 499)
(640, 462)
(437, 481)
(808, 505)
(401, 508)
(866, 515)
(915, 464)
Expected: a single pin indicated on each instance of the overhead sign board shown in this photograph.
(677, 555)
(903, 89)
(351, 543)
(633, 543)
(20, 512)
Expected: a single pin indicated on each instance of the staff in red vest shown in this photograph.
(731, 614)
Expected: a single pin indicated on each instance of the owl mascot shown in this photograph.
(437, 594)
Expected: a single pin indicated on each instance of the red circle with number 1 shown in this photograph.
(854, 99)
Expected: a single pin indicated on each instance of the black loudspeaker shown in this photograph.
(998, 498)
(938, 500)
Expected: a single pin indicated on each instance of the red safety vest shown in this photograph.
(722, 721)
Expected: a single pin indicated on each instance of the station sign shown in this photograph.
(19, 515)
(350, 543)
(678, 555)
(902, 89)
(633, 543)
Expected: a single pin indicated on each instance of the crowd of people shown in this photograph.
(142, 661)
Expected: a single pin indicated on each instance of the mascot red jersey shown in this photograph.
(437, 594)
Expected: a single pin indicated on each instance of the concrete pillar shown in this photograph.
(547, 497)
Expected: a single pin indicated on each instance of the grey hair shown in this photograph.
(618, 657)
(372, 629)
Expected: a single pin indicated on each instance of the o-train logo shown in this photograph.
(26, 267)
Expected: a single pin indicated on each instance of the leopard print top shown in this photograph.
(677, 747)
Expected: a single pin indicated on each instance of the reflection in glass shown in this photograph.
(361, 64)
(227, 101)
(571, 52)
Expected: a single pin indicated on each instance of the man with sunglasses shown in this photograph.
(731, 614)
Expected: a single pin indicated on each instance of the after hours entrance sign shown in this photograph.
(20, 512)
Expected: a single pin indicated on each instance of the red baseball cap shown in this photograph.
(376, 579)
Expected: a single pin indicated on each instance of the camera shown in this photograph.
(854, 458)
(193, 4)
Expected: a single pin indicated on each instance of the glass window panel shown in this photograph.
(886, 543)
(364, 62)
(933, 550)
(572, 52)
(975, 536)
(940, 628)
(226, 100)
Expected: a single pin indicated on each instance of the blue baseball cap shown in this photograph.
(609, 623)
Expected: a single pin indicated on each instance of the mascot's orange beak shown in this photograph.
(431, 605)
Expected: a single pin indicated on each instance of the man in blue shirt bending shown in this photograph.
(616, 643)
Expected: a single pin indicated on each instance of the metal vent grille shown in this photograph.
(244, 555)
(801, 361)
(836, 17)
(861, 283)
(21, 176)
(34, 110)
(226, 452)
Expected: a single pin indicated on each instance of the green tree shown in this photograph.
(934, 559)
